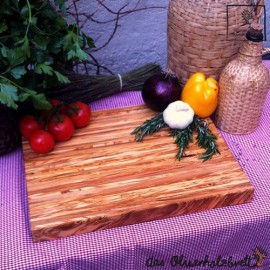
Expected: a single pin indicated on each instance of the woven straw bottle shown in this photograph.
(243, 86)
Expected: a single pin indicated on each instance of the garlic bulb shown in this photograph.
(178, 115)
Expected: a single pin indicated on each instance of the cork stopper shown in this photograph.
(255, 32)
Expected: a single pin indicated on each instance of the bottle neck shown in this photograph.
(251, 52)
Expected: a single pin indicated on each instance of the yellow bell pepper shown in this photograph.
(201, 94)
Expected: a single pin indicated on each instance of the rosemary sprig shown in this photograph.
(149, 127)
(205, 138)
(183, 138)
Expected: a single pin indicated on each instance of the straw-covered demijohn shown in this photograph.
(243, 86)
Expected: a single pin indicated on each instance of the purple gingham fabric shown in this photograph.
(229, 234)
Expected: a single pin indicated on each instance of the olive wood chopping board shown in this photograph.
(102, 178)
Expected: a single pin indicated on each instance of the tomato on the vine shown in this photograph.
(28, 125)
(80, 114)
(55, 102)
(61, 127)
(57, 107)
(41, 142)
(57, 125)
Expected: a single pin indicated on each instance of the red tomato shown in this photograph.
(80, 114)
(61, 127)
(57, 108)
(41, 142)
(28, 125)
(55, 102)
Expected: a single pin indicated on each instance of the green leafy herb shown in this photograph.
(205, 138)
(8, 94)
(36, 46)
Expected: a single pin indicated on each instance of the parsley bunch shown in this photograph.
(36, 46)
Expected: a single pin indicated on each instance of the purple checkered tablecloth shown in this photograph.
(224, 238)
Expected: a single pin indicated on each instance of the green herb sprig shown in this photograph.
(149, 127)
(182, 139)
(205, 138)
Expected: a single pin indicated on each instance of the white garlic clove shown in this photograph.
(178, 115)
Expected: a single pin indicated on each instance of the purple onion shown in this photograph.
(160, 90)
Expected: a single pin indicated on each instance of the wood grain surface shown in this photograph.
(102, 178)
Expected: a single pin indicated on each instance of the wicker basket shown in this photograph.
(200, 38)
